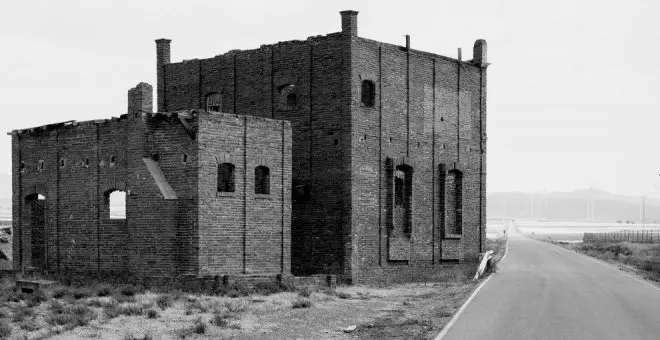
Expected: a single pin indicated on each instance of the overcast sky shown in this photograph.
(572, 90)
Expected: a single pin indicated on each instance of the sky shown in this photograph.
(573, 86)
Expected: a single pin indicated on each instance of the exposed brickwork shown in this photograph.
(334, 157)
(75, 166)
(428, 110)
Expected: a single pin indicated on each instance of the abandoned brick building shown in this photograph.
(376, 155)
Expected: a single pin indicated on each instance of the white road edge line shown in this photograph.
(451, 322)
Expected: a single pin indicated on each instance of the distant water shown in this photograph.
(574, 231)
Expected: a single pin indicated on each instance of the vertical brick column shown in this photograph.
(140, 100)
(349, 22)
(162, 58)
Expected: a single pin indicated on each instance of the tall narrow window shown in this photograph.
(368, 93)
(261, 180)
(226, 177)
(116, 204)
(213, 102)
(442, 179)
(403, 199)
(454, 201)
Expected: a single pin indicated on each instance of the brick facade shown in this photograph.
(177, 222)
(428, 116)
(376, 155)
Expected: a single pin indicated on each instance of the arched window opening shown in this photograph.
(116, 204)
(213, 102)
(291, 100)
(454, 202)
(262, 180)
(226, 177)
(403, 199)
(288, 97)
(368, 93)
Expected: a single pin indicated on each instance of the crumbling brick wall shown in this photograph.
(155, 159)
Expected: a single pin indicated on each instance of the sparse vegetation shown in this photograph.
(163, 301)
(302, 303)
(643, 256)
(152, 314)
(5, 329)
(198, 327)
(219, 320)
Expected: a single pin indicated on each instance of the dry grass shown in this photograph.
(642, 256)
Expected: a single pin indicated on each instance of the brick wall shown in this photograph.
(250, 83)
(242, 232)
(427, 112)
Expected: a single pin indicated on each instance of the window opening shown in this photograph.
(117, 205)
(261, 180)
(368, 93)
(226, 177)
(213, 102)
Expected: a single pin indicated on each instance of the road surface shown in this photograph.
(542, 291)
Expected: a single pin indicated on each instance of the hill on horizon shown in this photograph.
(578, 205)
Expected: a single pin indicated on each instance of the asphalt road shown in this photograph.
(542, 291)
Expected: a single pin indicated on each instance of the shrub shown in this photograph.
(61, 292)
(72, 316)
(81, 293)
(114, 310)
(124, 298)
(236, 306)
(104, 290)
(131, 290)
(193, 305)
(163, 301)
(305, 292)
(302, 303)
(99, 303)
(21, 313)
(199, 327)
(56, 307)
(14, 296)
(152, 314)
(130, 336)
(36, 298)
(29, 325)
(219, 320)
(5, 329)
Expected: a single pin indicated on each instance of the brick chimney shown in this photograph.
(349, 22)
(479, 53)
(140, 100)
(162, 58)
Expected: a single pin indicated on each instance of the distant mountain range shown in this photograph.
(579, 205)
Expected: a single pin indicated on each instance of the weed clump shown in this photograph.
(5, 329)
(164, 301)
(152, 314)
(198, 327)
(302, 303)
(72, 316)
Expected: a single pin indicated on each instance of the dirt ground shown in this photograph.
(409, 311)
(403, 311)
